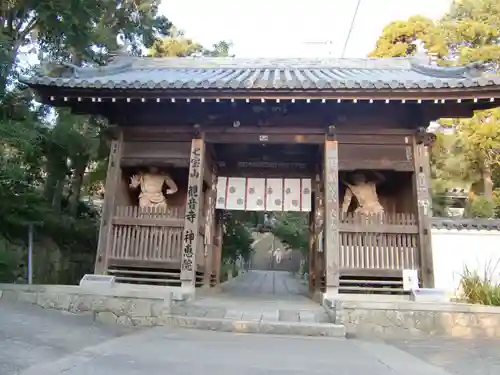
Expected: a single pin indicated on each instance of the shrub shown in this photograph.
(481, 207)
(479, 290)
(11, 262)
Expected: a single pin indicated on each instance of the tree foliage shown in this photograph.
(472, 31)
(398, 37)
(49, 158)
(292, 229)
(237, 240)
(177, 45)
(469, 32)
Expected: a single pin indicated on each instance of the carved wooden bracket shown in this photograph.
(425, 138)
(330, 132)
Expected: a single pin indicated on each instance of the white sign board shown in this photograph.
(97, 280)
(410, 280)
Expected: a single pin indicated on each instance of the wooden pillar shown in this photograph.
(331, 218)
(317, 250)
(113, 179)
(320, 260)
(210, 229)
(312, 244)
(421, 190)
(191, 238)
(218, 249)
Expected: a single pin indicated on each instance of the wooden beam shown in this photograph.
(113, 178)
(158, 161)
(331, 231)
(191, 237)
(448, 94)
(421, 191)
(263, 136)
(265, 173)
(388, 165)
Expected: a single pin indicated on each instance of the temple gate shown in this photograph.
(345, 137)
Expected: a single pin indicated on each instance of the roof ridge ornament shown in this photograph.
(421, 52)
(121, 53)
(425, 62)
(120, 61)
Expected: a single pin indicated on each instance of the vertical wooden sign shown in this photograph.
(191, 235)
(331, 204)
(421, 188)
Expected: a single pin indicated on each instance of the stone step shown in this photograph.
(263, 327)
(281, 315)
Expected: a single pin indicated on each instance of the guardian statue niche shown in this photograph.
(151, 184)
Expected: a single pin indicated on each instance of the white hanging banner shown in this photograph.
(260, 194)
(306, 195)
(292, 194)
(236, 193)
(255, 194)
(220, 204)
(274, 194)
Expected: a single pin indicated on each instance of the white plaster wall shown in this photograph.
(453, 250)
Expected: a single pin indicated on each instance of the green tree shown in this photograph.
(293, 230)
(42, 164)
(480, 146)
(177, 45)
(237, 239)
(472, 31)
(469, 32)
(397, 38)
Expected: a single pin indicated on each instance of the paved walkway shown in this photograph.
(267, 296)
(30, 335)
(281, 284)
(34, 341)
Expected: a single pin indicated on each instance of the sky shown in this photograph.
(293, 28)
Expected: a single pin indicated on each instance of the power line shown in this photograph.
(350, 28)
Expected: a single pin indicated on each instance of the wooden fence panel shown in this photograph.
(387, 241)
(146, 234)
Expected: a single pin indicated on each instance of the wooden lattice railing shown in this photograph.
(387, 241)
(146, 234)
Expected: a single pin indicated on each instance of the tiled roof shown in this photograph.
(267, 74)
(465, 224)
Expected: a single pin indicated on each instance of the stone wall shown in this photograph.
(408, 318)
(121, 304)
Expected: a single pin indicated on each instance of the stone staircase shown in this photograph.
(264, 313)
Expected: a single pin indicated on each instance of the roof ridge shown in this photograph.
(272, 63)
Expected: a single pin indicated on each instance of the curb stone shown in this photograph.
(243, 326)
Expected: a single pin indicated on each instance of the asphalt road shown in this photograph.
(45, 342)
